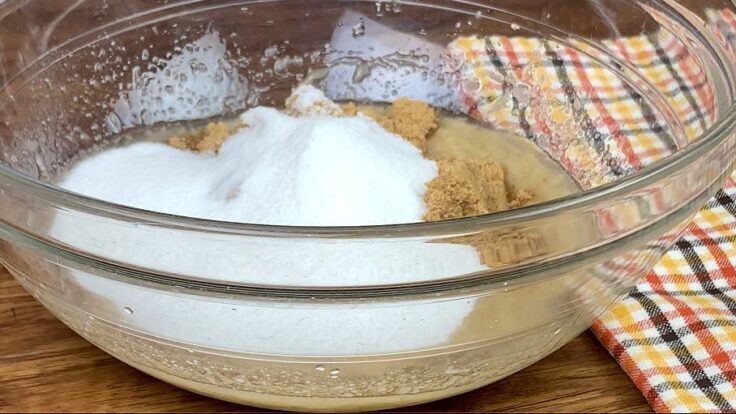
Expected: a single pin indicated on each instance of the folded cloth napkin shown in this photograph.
(675, 334)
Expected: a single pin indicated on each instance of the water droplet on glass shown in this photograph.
(515, 27)
(197, 66)
(145, 54)
(359, 30)
(335, 371)
(113, 123)
(458, 25)
(244, 9)
(379, 12)
(231, 102)
(339, 23)
(362, 71)
(577, 105)
(320, 368)
(128, 310)
(422, 32)
(271, 51)
(146, 117)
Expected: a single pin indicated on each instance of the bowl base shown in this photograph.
(305, 404)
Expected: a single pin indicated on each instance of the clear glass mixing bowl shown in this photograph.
(79, 75)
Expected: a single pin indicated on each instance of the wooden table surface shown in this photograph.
(44, 366)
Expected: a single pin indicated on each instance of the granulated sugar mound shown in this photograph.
(278, 169)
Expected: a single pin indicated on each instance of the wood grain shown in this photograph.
(44, 366)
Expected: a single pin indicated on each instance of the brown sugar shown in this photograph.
(413, 120)
(214, 136)
(349, 109)
(503, 248)
(209, 138)
(181, 143)
(468, 187)
(297, 105)
(519, 197)
(465, 187)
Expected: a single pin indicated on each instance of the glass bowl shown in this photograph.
(632, 98)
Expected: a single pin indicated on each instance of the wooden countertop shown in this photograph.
(44, 366)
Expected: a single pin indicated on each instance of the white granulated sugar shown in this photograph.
(280, 169)
(310, 101)
(309, 171)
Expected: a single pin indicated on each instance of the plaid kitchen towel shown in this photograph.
(675, 334)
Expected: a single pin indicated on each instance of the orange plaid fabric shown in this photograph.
(675, 334)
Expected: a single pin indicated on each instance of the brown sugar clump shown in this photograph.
(349, 109)
(181, 143)
(497, 249)
(465, 187)
(519, 198)
(299, 105)
(413, 120)
(471, 187)
(214, 136)
(209, 138)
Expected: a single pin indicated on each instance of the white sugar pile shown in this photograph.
(309, 171)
